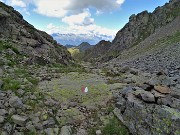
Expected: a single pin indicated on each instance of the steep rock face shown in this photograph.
(139, 28)
(160, 51)
(144, 24)
(30, 41)
(98, 50)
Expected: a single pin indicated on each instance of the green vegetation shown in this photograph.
(32, 133)
(109, 73)
(68, 68)
(33, 80)
(110, 108)
(10, 84)
(136, 51)
(68, 88)
(1, 63)
(96, 94)
(115, 127)
(73, 51)
(79, 56)
(6, 45)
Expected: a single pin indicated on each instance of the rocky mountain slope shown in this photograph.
(41, 88)
(97, 51)
(140, 27)
(35, 44)
(154, 96)
(84, 46)
(145, 55)
(40, 85)
(160, 51)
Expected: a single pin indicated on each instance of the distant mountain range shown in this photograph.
(77, 39)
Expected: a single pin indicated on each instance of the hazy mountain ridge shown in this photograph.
(76, 39)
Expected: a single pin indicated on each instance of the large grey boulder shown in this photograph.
(66, 130)
(20, 120)
(16, 102)
(145, 95)
(52, 131)
(8, 127)
(3, 112)
(1, 119)
(1, 72)
(82, 132)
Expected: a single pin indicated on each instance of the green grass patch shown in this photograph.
(20, 71)
(69, 68)
(73, 51)
(6, 45)
(10, 84)
(33, 80)
(1, 63)
(115, 127)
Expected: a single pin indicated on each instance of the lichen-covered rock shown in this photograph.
(20, 120)
(52, 131)
(1, 119)
(3, 112)
(66, 130)
(16, 102)
(144, 118)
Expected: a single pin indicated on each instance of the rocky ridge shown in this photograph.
(160, 51)
(140, 27)
(36, 44)
(144, 24)
(97, 51)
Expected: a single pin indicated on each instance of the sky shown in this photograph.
(90, 17)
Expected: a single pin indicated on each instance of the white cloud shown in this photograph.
(18, 3)
(1, 0)
(24, 10)
(60, 8)
(120, 2)
(97, 4)
(79, 19)
(53, 8)
(98, 12)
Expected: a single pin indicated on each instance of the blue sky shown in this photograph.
(91, 17)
